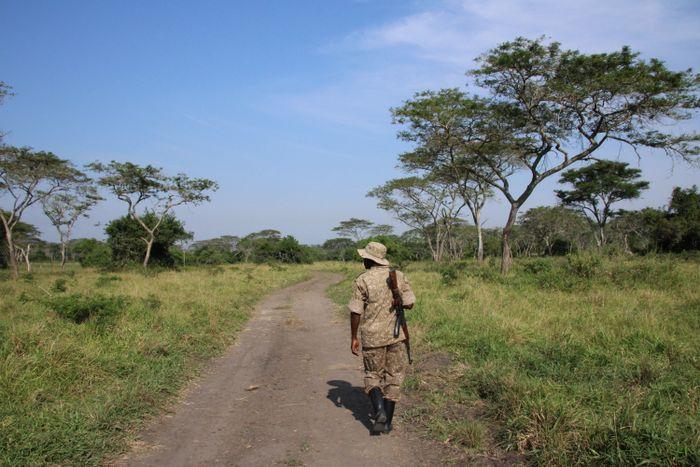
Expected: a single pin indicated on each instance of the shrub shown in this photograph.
(538, 266)
(584, 266)
(92, 253)
(654, 274)
(449, 274)
(59, 285)
(79, 308)
(124, 237)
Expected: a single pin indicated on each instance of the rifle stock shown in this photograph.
(400, 314)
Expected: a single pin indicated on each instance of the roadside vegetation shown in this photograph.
(86, 356)
(568, 335)
(578, 360)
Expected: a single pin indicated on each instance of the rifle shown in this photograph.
(400, 315)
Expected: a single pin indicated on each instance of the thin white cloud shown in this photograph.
(458, 31)
(434, 47)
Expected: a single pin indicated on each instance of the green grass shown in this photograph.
(85, 356)
(567, 361)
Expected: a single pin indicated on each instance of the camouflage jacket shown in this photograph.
(372, 299)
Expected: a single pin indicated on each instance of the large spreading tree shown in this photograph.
(438, 122)
(597, 187)
(28, 177)
(147, 190)
(545, 108)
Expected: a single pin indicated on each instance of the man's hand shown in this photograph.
(355, 346)
(354, 341)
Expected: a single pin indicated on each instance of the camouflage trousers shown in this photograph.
(385, 369)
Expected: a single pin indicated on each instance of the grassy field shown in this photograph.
(582, 360)
(86, 356)
(578, 361)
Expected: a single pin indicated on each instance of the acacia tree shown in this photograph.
(136, 185)
(596, 187)
(439, 122)
(429, 206)
(28, 177)
(248, 245)
(379, 230)
(548, 108)
(542, 226)
(65, 208)
(354, 228)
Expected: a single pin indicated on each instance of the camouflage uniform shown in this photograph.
(384, 355)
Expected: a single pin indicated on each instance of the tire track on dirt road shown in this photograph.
(287, 392)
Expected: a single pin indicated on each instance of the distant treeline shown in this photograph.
(540, 231)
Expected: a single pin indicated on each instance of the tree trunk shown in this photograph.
(26, 258)
(11, 257)
(63, 255)
(506, 254)
(149, 246)
(597, 234)
(433, 251)
(479, 237)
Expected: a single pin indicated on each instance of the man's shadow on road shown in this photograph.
(353, 398)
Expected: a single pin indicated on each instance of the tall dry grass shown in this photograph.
(74, 387)
(584, 360)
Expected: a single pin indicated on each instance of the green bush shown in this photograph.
(585, 266)
(79, 308)
(651, 273)
(59, 285)
(449, 274)
(538, 266)
(125, 240)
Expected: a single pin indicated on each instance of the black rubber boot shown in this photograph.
(377, 399)
(389, 407)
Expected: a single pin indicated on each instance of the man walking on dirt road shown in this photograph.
(372, 312)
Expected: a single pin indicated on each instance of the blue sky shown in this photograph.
(285, 103)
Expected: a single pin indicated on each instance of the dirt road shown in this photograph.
(287, 393)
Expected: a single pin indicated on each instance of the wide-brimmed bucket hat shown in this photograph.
(376, 252)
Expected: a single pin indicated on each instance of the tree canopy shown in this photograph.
(28, 177)
(597, 187)
(545, 108)
(65, 208)
(147, 185)
(353, 228)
